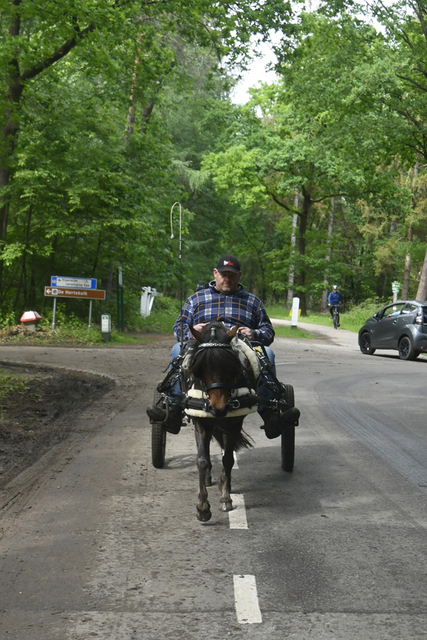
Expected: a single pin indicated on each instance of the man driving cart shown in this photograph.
(226, 300)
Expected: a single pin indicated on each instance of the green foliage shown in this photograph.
(234, 171)
(357, 316)
(10, 384)
(111, 112)
(8, 318)
(88, 176)
(163, 304)
(159, 322)
(164, 312)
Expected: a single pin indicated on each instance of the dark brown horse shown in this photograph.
(218, 400)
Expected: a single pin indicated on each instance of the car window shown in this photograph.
(393, 310)
(409, 307)
(425, 315)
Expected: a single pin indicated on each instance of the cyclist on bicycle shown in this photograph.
(226, 300)
(334, 300)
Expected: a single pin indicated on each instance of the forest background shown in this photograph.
(113, 110)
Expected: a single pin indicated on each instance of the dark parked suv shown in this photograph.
(401, 326)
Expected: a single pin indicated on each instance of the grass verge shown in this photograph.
(293, 332)
(9, 385)
(351, 320)
(69, 336)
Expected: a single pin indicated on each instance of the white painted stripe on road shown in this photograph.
(246, 600)
(236, 464)
(237, 517)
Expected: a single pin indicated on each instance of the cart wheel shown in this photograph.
(158, 445)
(158, 438)
(288, 435)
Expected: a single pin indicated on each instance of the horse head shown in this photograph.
(216, 365)
(214, 331)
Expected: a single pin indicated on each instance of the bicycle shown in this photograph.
(335, 315)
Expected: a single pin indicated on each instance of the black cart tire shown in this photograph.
(288, 434)
(158, 438)
(158, 445)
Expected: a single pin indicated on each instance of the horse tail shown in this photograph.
(244, 441)
(241, 439)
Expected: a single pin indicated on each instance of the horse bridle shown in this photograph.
(214, 345)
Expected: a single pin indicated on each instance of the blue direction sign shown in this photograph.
(73, 283)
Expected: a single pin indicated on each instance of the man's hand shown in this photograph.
(199, 327)
(249, 333)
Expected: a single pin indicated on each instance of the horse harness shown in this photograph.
(242, 400)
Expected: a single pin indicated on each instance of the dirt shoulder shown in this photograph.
(67, 393)
(41, 412)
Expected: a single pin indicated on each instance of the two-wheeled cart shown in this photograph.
(283, 392)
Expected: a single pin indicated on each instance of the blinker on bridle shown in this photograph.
(212, 342)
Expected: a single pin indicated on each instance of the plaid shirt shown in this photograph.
(241, 307)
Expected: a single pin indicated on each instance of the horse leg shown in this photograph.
(204, 465)
(208, 471)
(225, 480)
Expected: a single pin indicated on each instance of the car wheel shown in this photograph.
(406, 349)
(365, 344)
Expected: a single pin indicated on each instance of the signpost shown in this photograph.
(80, 288)
(120, 305)
(395, 287)
(73, 283)
(106, 327)
(83, 294)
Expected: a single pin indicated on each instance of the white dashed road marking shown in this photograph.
(236, 463)
(237, 517)
(245, 591)
(246, 600)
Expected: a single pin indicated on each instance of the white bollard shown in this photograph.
(106, 327)
(295, 312)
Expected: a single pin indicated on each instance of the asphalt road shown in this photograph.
(97, 543)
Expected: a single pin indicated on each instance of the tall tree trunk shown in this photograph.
(291, 279)
(132, 108)
(259, 254)
(407, 267)
(300, 291)
(23, 276)
(422, 287)
(9, 133)
(145, 111)
(324, 304)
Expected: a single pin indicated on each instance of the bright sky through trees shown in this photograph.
(255, 74)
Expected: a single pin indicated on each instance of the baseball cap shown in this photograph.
(228, 263)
